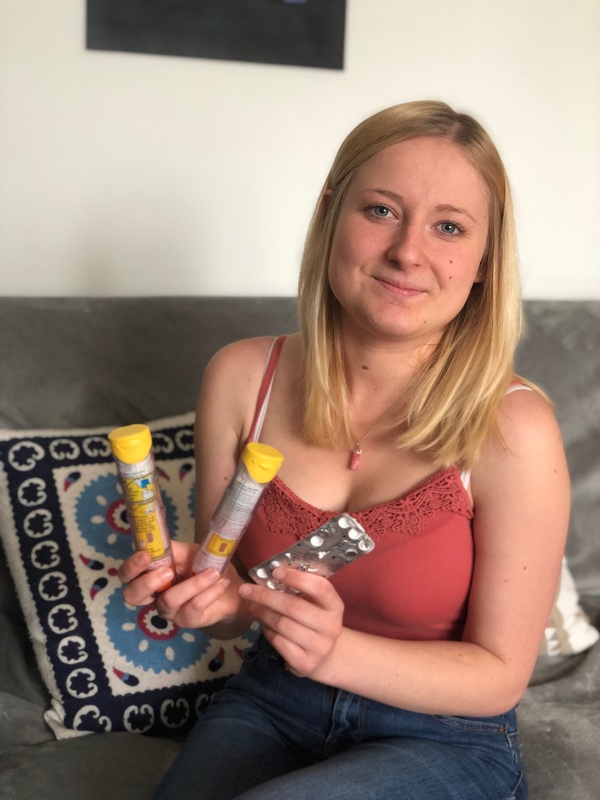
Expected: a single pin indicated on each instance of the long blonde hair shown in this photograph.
(455, 395)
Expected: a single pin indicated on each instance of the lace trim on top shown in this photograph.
(288, 514)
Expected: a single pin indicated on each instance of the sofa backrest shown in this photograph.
(68, 362)
(81, 362)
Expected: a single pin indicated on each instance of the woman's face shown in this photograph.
(409, 239)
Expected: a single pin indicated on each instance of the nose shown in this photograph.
(407, 245)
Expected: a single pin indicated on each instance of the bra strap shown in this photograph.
(265, 388)
(518, 387)
(465, 475)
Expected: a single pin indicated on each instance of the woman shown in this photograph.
(397, 402)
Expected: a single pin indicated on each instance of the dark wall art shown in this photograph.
(303, 33)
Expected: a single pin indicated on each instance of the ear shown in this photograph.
(480, 275)
(325, 200)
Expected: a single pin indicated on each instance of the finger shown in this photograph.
(186, 589)
(300, 658)
(201, 613)
(285, 629)
(183, 555)
(290, 651)
(134, 566)
(189, 600)
(299, 621)
(142, 590)
(296, 619)
(267, 605)
(315, 588)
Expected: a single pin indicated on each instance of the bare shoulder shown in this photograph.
(224, 413)
(530, 443)
(229, 389)
(239, 360)
(526, 417)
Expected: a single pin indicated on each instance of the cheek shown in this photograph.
(349, 241)
(339, 259)
(464, 269)
(333, 274)
(339, 273)
(340, 247)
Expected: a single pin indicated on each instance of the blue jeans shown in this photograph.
(271, 736)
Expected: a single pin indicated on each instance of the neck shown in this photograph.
(376, 378)
(390, 354)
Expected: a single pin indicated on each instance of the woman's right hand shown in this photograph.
(193, 601)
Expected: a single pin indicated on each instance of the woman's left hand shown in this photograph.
(303, 628)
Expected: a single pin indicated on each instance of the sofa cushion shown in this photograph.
(107, 665)
(62, 523)
(569, 630)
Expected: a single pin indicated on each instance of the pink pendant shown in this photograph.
(355, 457)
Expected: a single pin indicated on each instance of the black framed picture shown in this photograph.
(303, 33)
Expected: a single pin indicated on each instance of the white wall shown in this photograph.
(130, 174)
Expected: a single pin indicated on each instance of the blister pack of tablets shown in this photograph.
(334, 545)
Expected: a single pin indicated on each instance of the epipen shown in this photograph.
(132, 450)
(256, 469)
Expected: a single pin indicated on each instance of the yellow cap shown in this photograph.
(262, 461)
(131, 443)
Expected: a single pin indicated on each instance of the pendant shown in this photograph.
(355, 457)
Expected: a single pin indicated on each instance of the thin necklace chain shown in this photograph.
(356, 452)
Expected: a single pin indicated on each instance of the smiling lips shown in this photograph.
(403, 290)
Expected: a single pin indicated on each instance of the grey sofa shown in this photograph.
(70, 363)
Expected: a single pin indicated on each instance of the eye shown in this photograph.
(380, 211)
(450, 228)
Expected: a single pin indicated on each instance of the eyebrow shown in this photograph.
(441, 208)
(455, 210)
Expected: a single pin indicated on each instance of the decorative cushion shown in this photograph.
(107, 665)
(569, 629)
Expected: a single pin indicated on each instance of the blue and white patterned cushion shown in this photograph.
(107, 665)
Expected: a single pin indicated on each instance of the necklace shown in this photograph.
(356, 452)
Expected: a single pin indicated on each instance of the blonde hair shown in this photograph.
(455, 395)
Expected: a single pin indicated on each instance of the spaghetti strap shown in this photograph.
(264, 392)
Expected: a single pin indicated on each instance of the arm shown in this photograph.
(521, 496)
(223, 417)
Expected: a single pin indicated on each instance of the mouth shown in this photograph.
(399, 288)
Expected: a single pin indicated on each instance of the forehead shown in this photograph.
(435, 167)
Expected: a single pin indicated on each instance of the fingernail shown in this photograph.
(140, 558)
(245, 590)
(164, 572)
(164, 578)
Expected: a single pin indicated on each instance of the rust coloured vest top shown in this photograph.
(415, 583)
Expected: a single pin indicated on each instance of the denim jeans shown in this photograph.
(269, 735)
